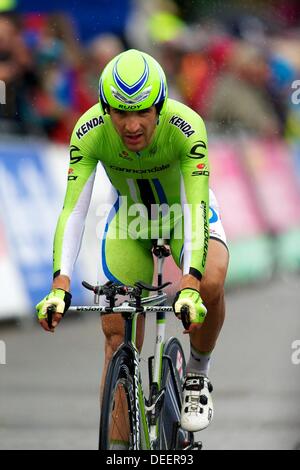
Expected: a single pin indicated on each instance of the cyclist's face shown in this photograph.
(135, 128)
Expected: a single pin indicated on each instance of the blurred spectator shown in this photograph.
(199, 69)
(7, 5)
(15, 69)
(59, 28)
(99, 52)
(152, 23)
(284, 62)
(240, 98)
(60, 97)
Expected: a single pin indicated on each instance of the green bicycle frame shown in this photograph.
(148, 433)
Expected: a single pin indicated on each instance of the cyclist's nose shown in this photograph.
(132, 124)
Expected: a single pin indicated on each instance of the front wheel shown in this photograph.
(118, 427)
(171, 436)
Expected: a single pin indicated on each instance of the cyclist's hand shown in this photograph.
(195, 312)
(60, 300)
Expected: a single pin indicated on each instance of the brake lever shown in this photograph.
(50, 311)
(185, 316)
(88, 286)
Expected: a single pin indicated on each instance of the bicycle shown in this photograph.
(153, 423)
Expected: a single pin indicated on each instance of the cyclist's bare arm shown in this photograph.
(189, 281)
(62, 282)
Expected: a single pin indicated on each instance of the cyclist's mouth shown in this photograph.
(133, 139)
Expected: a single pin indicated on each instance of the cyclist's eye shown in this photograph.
(118, 112)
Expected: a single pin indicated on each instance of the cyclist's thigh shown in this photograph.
(124, 260)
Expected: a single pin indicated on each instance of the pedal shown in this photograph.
(193, 446)
(197, 445)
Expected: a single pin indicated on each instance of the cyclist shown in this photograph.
(154, 151)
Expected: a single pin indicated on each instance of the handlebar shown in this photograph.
(126, 308)
(121, 309)
(110, 290)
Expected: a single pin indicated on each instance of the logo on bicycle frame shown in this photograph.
(179, 364)
(136, 393)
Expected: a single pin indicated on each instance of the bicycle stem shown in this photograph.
(160, 320)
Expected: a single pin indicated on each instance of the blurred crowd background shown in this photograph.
(233, 62)
(236, 63)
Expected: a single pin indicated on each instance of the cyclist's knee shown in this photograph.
(114, 328)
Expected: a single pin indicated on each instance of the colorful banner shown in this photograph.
(13, 295)
(295, 150)
(239, 213)
(270, 168)
(31, 196)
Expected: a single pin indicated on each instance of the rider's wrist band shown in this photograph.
(195, 273)
(189, 288)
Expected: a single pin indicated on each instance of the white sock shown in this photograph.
(199, 363)
(119, 445)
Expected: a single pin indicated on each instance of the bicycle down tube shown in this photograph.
(160, 338)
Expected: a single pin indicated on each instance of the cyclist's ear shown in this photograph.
(159, 108)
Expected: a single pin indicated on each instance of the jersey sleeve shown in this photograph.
(71, 222)
(194, 167)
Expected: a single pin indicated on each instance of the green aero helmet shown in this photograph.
(133, 81)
